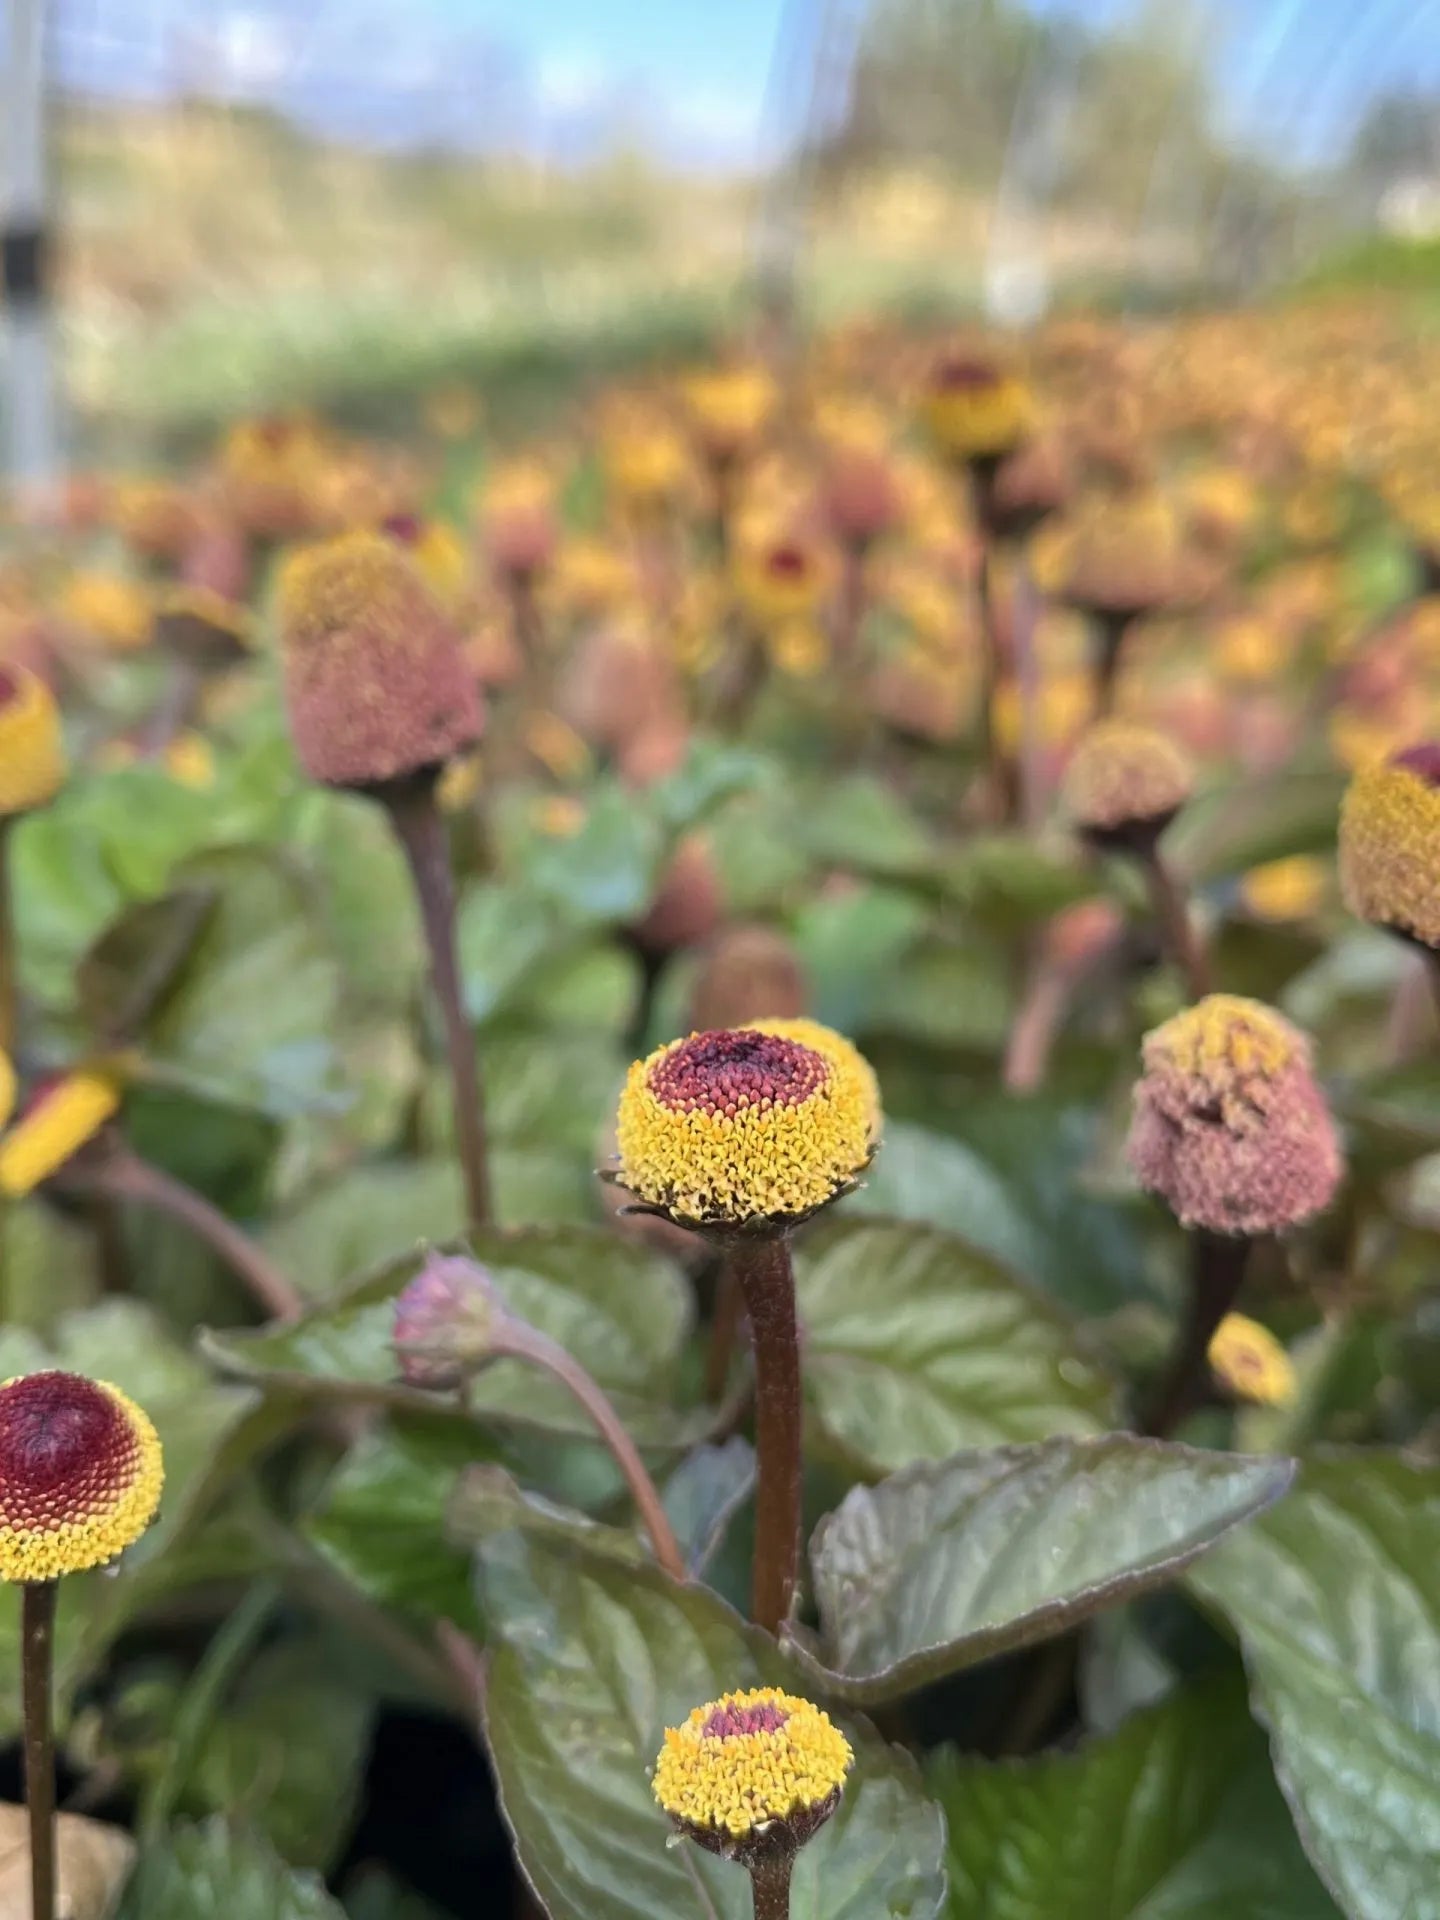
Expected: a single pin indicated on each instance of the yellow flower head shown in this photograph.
(1290, 889)
(190, 761)
(56, 1123)
(32, 756)
(185, 606)
(646, 461)
(438, 552)
(842, 1054)
(741, 1128)
(1390, 843)
(975, 408)
(80, 1475)
(1250, 1362)
(729, 407)
(109, 609)
(1125, 777)
(782, 578)
(752, 1773)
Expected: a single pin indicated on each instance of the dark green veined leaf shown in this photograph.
(220, 1872)
(942, 1566)
(918, 1346)
(1175, 1817)
(1335, 1600)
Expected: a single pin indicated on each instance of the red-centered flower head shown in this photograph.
(80, 1475)
(740, 1130)
(1390, 843)
(975, 407)
(1230, 1128)
(1125, 783)
(753, 1775)
(375, 673)
(445, 1321)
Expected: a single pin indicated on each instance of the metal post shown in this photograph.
(32, 453)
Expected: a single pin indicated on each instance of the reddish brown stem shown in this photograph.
(1217, 1273)
(125, 1176)
(420, 830)
(1177, 928)
(37, 1660)
(770, 1880)
(1113, 630)
(1027, 1053)
(767, 1283)
(518, 1340)
(850, 608)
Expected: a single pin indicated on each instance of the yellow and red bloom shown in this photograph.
(1250, 1362)
(752, 1774)
(741, 1129)
(1390, 843)
(61, 1116)
(80, 1475)
(376, 678)
(1230, 1127)
(975, 407)
(32, 755)
(842, 1054)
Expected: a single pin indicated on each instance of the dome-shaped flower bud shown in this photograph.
(741, 1129)
(519, 525)
(32, 756)
(752, 1775)
(375, 674)
(1029, 485)
(975, 407)
(445, 1322)
(61, 1116)
(1230, 1127)
(748, 973)
(1250, 1363)
(80, 1475)
(687, 903)
(1390, 843)
(1125, 783)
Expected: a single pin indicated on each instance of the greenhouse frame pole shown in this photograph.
(31, 445)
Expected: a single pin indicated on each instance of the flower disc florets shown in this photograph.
(1230, 1127)
(80, 1475)
(752, 1774)
(1390, 843)
(742, 1129)
(1125, 783)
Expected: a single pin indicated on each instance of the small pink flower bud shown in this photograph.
(445, 1322)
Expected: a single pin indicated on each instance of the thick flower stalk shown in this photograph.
(740, 1135)
(1232, 1131)
(752, 1777)
(380, 697)
(80, 1480)
(1124, 785)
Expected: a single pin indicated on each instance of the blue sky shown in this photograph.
(687, 78)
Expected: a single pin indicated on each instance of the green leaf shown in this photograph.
(1335, 1599)
(862, 825)
(940, 1567)
(917, 1346)
(950, 993)
(287, 1754)
(622, 1310)
(849, 943)
(703, 1495)
(1244, 825)
(368, 1215)
(219, 1872)
(246, 1024)
(1009, 882)
(365, 896)
(1175, 1817)
(382, 1521)
(502, 931)
(605, 873)
(590, 1662)
(711, 774)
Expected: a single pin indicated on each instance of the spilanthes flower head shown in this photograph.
(445, 1321)
(729, 409)
(740, 1130)
(438, 552)
(1030, 484)
(1290, 889)
(782, 579)
(376, 678)
(110, 610)
(32, 756)
(61, 1116)
(1390, 843)
(975, 407)
(1126, 782)
(80, 1475)
(519, 525)
(1230, 1127)
(202, 624)
(271, 473)
(1250, 1362)
(752, 1775)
